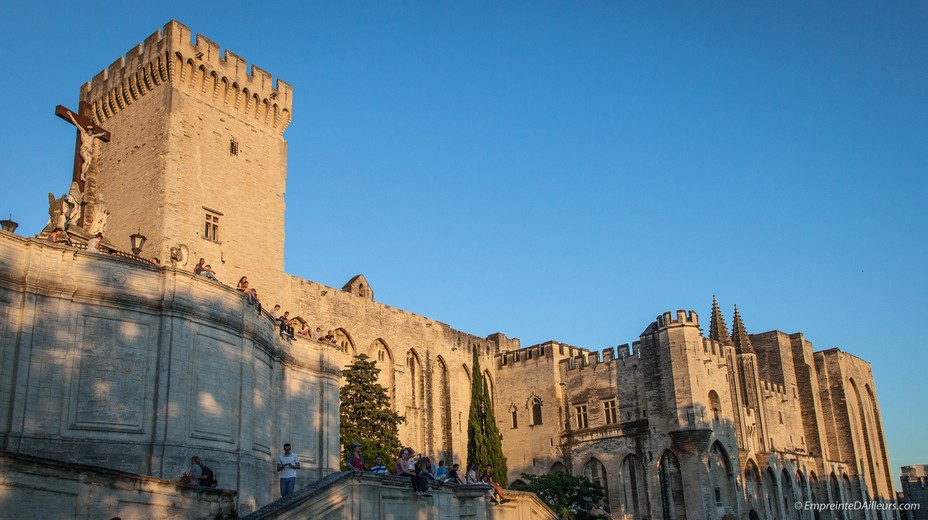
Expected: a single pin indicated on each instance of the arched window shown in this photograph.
(716, 404)
(536, 411)
(753, 489)
(671, 481)
(722, 480)
(596, 472)
(514, 413)
(633, 491)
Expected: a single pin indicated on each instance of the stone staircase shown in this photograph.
(365, 496)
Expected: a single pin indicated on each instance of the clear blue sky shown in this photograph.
(568, 171)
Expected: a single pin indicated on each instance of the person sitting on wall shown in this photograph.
(321, 337)
(250, 293)
(329, 337)
(442, 472)
(419, 485)
(304, 330)
(454, 475)
(472, 474)
(497, 492)
(57, 236)
(208, 272)
(197, 269)
(286, 326)
(194, 475)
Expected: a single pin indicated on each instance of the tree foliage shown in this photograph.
(484, 442)
(365, 414)
(571, 497)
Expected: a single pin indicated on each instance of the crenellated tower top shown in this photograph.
(169, 55)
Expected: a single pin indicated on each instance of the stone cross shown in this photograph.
(87, 131)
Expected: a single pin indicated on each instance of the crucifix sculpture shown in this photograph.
(81, 196)
(87, 131)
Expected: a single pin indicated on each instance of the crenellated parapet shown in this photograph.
(682, 317)
(169, 56)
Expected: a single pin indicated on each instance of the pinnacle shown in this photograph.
(740, 335)
(718, 331)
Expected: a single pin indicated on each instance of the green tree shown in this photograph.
(570, 496)
(484, 442)
(365, 414)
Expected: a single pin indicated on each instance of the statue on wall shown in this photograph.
(87, 136)
(72, 206)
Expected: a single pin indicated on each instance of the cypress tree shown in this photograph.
(365, 414)
(484, 442)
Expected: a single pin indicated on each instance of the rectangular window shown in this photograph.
(515, 419)
(211, 225)
(582, 419)
(609, 409)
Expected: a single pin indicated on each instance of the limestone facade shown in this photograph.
(677, 425)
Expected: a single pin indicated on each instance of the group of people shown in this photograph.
(420, 471)
(288, 328)
(204, 269)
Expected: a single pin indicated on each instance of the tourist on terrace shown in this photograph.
(287, 464)
(304, 330)
(355, 460)
(454, 475)
(93, 245)
(419, 484)
(197, 269)
(249, 292)
(442, 472)
(378, 468)
(57, 236)
(497, 492)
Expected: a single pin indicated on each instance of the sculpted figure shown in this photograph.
(98, 224)
(57, 217)
(72, 205)
(87, 137)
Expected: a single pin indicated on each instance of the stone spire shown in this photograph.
(740, 336)
(718, 331)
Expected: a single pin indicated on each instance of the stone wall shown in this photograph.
(117, 363)
(33, 487)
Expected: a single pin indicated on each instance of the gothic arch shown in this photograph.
(534, 406)
(715, 405)
(344, 342)
(671, 481)
(415, 404)
(773, 492)
(788, 498)
(753, 488)
(441, 406)
(491, 388)
(722, 480)
(596, 472)
(875, 410)
(633, 489)
(381, 354)
(558, 467)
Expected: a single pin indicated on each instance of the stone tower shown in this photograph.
(198, 160)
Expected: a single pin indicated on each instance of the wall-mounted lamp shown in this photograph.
(137, 240)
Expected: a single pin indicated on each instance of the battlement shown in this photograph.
(169, 55)
(682, 318)
(774, 390)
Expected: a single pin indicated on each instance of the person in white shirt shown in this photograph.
(378, 468)
(287, 464)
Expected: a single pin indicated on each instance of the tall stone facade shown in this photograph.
(677, 425)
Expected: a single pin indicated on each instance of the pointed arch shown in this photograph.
(558, 467)
(722, 480)
(415, 403)
(383, 356)
(596, 472)
(491, 388)
(788, 498)
(344, 342)
(773, 492)
(633, 489)
(441, 421)
(715, 405)
(753, 488)
(671, 482)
